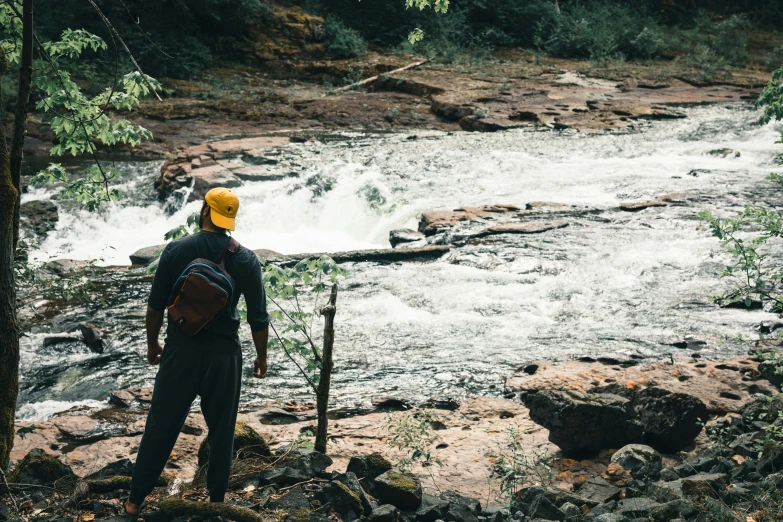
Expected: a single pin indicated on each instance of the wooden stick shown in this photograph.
(372, 79)
(5, 481)
(324, 383)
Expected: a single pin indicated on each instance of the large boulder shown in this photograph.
(145, 256)
(40, 468)
(642, 462)
(668, 421)
(613, 416)
(400, 489)
(248, 443)
(579, 423)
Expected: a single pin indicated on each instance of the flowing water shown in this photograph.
(612, 283)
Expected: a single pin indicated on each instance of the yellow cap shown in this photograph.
(224, 205)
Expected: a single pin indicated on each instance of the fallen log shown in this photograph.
(177, 507)
(384, 255)
(373, 78)
(84, 488)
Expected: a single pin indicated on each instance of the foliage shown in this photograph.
(295, 292)
(516, 468)
(410, 435)
(601, 30)
(342, 41)
(754, 273)
(79, 122)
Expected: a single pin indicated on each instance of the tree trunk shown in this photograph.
(22, 104)
(9, 332)
(325, 382)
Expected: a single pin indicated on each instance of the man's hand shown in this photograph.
(259, 368)
(154, 353)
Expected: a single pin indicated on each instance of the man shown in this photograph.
(208, 364)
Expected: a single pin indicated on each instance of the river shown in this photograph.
(612, 283)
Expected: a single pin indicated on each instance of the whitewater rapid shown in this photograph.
(610, 284)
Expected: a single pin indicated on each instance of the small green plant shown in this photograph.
(343, 41)
(504, 85)
(516, 468)
(392, 114)
(410, 435)
(754, 273)
(480, 113)
(415, 115)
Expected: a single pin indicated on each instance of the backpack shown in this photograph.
(202, 291)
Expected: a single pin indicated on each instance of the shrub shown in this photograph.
(341, 40)
(600, 30)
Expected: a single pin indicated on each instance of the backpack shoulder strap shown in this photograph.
(231, 248)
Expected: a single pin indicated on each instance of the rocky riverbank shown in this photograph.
(698, 470)
(295, 95)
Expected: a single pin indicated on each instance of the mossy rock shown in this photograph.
(400, 489)
(369, 466)
(38, 467)
(248, 443)
(343, 500)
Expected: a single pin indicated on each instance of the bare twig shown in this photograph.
(7, 488)
(129, 53)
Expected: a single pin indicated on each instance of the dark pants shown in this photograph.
(183, 375)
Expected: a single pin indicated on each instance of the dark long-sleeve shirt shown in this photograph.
(222, 334)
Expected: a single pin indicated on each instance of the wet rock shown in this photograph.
(460, 513)
(611, 517)
(281, 477)
(771, 459)
(402, 236)
(369, 466)
(668, 421)
(473, 505)
(120, 468)
(769, 371)
(579, 423)
(391, 404)
(643, 462)
(385, 255)
(92, 338)
(258, 174)
(635, 507)
(385, 513)
(436, 221)
(473, 124)
(40, 215)
(310, 463)
(599, 491)
(399, 489)
(145, 256)
(64, 266)
(570, 511)
(264, 253)
(248, 443)
(724, 153)
(431, 509)
(121, 398)
(636, 206)
(544, 509)
(292, 501)
(530, 227)
(40, 468)
(205, 179)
